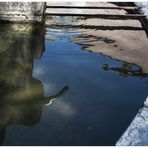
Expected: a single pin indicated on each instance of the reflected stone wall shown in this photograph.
(19, 44)
(19, 90)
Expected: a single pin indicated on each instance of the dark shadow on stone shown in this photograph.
(143, 21)
(99, 27)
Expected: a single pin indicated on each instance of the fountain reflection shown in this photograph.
(22, 95)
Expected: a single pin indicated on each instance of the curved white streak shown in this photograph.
(51, 101)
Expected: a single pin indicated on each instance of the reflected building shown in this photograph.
(19, 45)
(21, 95)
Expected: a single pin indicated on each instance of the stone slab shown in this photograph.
(22, 11)
(137, 133)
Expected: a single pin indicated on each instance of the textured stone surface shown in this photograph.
(22, 11)
(137, 133)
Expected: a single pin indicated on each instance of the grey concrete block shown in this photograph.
(137, 132)
(22, 11)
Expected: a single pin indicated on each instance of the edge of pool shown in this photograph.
(137, 132)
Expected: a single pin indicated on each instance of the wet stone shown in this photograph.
(137, 132)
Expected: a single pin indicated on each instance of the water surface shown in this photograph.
(103, 94)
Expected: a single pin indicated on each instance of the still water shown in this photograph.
(97, 96)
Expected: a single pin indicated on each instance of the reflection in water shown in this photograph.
(129, 36)
(95, 105)
(92, 38)
(89, 40)
(127, 69)
(21, 95)
(94, 99)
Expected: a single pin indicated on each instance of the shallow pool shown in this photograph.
(103, 94)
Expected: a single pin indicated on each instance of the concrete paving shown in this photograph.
(137, 133)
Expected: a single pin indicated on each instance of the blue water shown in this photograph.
(96, 109)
